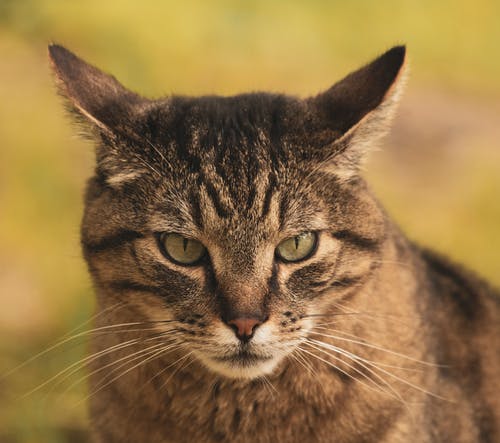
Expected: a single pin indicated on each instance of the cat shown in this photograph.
(251, 288)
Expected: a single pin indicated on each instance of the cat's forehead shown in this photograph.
(231, 153)
(260, 108)
(222, 167)
(213, 125)
(253, 210)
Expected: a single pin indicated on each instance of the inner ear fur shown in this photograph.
(362, 91)
(96, 96)
(356, 111)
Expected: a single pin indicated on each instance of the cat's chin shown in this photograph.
(238, 368)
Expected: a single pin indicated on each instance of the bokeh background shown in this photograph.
(438, 173)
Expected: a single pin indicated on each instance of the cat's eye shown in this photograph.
(297, 248)
(181, 250)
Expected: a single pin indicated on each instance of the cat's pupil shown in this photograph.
(181, 250)
(297, 248)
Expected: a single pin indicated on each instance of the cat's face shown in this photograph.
(235, 223)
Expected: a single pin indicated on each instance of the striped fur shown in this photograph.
(240, 175)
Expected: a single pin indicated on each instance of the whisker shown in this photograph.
(94, 357)
(357, 360)
(93, 318)
(346, 312)
(311, 370)
(143, 362)
(78, 363)
(157, 354)
(176, 370)
(403, 368)
(374, 346)
(131, 358)
(390, 374)
(302, 362)
(333, 314)
(387, 365)
(376, 389)
(384, 315)
(74, 367)
(266, 382)
(74, 337)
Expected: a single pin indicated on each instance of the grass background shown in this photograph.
(438, 175)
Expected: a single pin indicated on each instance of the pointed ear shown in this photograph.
(354, 113)
(97, 97)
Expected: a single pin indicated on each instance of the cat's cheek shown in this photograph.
(264, 334)
(224, 335)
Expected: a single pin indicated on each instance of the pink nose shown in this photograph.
(244, 327)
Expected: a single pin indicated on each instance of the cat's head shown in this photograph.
(238, 222)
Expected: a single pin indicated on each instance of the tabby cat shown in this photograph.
(250, 287)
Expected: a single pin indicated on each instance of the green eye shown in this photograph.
(297, 248)
(181, 250)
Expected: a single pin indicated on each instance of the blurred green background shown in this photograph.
(438, 174)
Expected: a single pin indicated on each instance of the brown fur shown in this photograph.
(415, 337)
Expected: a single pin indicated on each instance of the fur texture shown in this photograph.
(368, 339)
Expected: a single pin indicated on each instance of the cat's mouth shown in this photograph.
(242, 363)
(243, 357)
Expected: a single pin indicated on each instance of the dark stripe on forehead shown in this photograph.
(196, 213)
(220, 208)
(184, 141)
(277, 131)
(251, 198)
(283, 210)
(271, 187)
(370, 244)
(110, 242)
(221, 151)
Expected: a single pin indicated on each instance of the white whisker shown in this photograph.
(358, 361)
(176, 370)
(377, 388)
(390, 374)
(141, 363)
(62, 342)
(374, 346)
(94, 357)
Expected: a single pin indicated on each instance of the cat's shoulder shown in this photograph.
(457, 288)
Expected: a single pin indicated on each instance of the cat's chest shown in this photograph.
(293, 408)
(297, 407)
(222, 414)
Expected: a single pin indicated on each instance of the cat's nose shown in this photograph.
(244, 327)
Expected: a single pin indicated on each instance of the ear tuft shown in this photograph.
(97, 96)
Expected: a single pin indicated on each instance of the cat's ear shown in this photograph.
(97, 97)
(357, 110)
